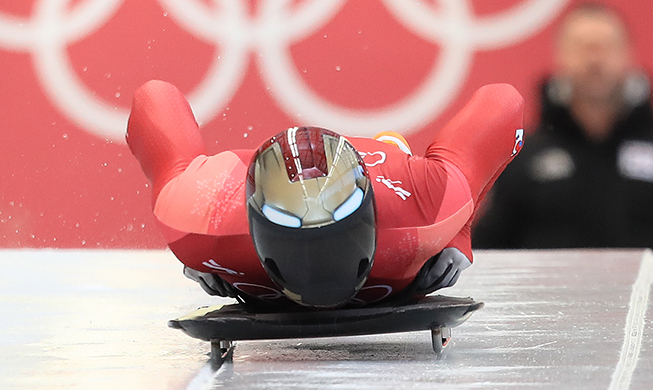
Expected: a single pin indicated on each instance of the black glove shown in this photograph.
(211, 283)
(441, 270)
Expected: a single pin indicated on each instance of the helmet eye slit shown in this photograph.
(350, 205)
(281, 218)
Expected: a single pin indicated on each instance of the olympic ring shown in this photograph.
(46, 36)
(451, 26)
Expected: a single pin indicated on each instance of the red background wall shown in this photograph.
(69, 70)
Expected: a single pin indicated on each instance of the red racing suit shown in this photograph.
(424, 204)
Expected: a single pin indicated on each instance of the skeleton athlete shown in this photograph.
(317, 218)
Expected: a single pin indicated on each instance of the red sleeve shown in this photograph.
(162, 132)
(198, 200)
(463, 242)
(481, 140)
(193, 193)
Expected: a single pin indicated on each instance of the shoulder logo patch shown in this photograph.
(519, 142)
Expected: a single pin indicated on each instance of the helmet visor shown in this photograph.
(321, 266)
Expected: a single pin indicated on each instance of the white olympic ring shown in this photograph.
(452, 26)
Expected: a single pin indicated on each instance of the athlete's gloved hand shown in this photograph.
(441, 270)
(211, 283)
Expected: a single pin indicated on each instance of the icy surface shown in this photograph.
(98, 320)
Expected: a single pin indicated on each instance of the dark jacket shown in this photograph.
(565, 191)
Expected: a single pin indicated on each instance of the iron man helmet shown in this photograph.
(312, 215)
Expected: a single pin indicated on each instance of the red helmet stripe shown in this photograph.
(303, 153)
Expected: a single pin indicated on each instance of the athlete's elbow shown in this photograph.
(506, 94)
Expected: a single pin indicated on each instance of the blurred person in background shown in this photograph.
(585, 178)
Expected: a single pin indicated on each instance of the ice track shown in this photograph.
(577, 319)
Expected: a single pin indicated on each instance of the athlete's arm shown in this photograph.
(480, 141)
(192, 192)
(162, 132)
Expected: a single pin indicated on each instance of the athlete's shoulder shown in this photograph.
(245, 155)
(385, 141)
(362, 142)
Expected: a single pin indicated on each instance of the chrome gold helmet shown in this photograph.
(311, 215)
